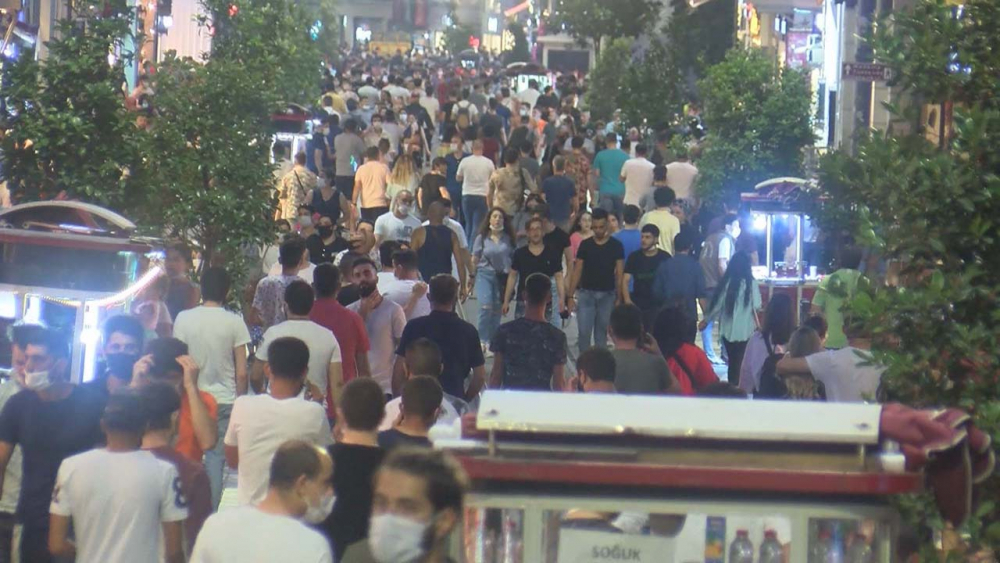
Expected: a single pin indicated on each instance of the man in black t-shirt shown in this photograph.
(433, 186)
(536, 257)
(356, 456)
(597, 273)
(529, 353)
(52, 419)
(640, 268)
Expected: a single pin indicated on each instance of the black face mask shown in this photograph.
(120, 365)
(325, 232)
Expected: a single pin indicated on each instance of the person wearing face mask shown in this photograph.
(162, 404)
(295, 187)
(456, 152)
(19, 337)
(272, 531)
(417, 504)
(304, 222)
(326, 243)
(51, 421)
(375, 132)
(123, 340)
(119, 498)
(261, 423)
(398, 224)
(356, 456)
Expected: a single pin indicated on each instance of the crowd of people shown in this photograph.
(416, 193)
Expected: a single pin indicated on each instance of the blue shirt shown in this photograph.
(631, 240)
(608, 163)
(680, 280)
(451, 182)
(504, 113)
(559, 190)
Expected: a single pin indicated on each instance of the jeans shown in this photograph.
(215, 458)
(474, 211)
(456, 205)
(735, 351)
(490, 304)
(593, 311)
(613, 204)
(551, 310)
(706, 340)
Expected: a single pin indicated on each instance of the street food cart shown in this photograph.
(69, 265)
(518, 76)
(582, 478)
(786, 239)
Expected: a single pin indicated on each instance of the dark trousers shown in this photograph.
(34, 544)
(735, 352)
(6, 536)
(345, 185)
(372, 213)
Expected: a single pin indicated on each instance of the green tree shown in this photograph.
(456, 38)
(607, 80)
(700, 37)
(271, 39)
(69, 129)
(933, 212)
(594, 20)
(654, 89)
(758, 119)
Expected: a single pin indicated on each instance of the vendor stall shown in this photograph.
(518, 76)
(786, 239)
(69, 265)
(581, 478)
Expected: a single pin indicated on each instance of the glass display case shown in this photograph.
(568, 478)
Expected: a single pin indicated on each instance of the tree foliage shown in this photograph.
(519, 51)
(933, 211)
(456, 38)
(758, 120)
(594, 19)
(647, 87)
(700, 37)
(69, 131)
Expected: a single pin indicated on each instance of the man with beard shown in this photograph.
(384, 321)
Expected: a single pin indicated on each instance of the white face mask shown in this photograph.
(396, 539)
(305, 221)
(455, 147)
(404, 208)
(317, 513)
(37, 380)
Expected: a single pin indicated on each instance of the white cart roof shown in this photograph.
(679, 417)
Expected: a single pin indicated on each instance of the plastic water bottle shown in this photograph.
(741, 550)
(770, 549)
(860, 551)
(822, 550)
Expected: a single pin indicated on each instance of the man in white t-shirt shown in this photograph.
(20, 336)
(530, 94)
(325, 370)
(843, 372)
(217, 340)
(423, 357)
(405, 287)
(299, 488)
(474, 172)
(680, 176)
(397, 224)
(430, 103)
(637, 173)
(384, 321)
(727, 244)
(262, 423)
(119, 499)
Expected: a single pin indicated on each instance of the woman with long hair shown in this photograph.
(491, 252)
(581, 231)
(735, 305)
(404, 176)
(673, 331)
(770, 338)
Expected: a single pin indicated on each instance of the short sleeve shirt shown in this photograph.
(608, 164)
(549, 263)
(269, 299)
(559, 191)
(461, 350)
(599, 262)
(531, 350)
(643, 268)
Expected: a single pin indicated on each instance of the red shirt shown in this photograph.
(187, 442)
(696, 362)
(349, 329)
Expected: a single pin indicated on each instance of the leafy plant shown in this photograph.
(519, 50)
(594, 20)
(931, 213)
(69, 131)
(456, 38)
(700, 37)
(758, 119)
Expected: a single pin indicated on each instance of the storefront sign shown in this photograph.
(866, 72)
(582, 546)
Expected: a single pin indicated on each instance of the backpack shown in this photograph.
(773, 386)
